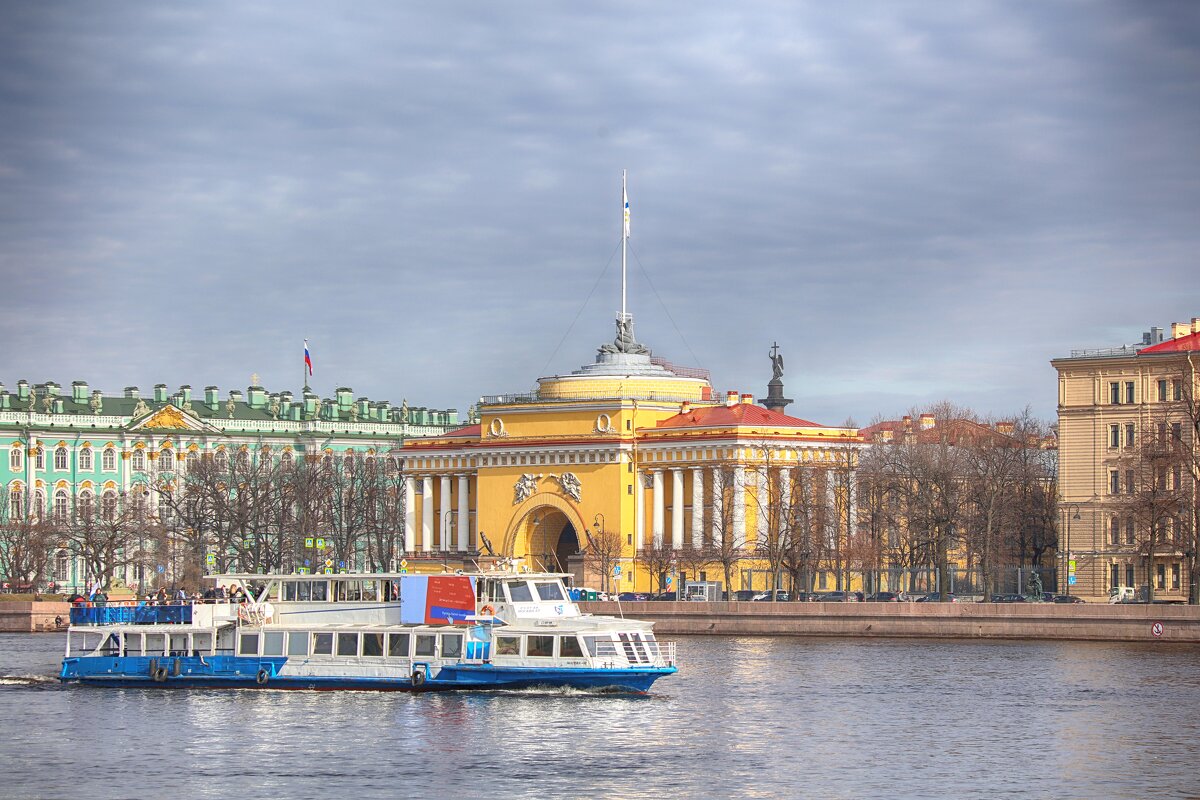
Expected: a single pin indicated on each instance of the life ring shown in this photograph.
(418, 677)
(487, 611)
(262, 677)
(160, 674)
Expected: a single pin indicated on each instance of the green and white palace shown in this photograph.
(82, 449)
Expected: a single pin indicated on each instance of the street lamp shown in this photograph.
(598, 524)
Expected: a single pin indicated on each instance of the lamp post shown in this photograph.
(598, 524)
(1072, 513)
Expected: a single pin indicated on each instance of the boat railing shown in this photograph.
(177, 614)
(636, 653)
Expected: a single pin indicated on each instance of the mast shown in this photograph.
(624, 239)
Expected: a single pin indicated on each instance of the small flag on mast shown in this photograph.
(307, 358)
(625, 197)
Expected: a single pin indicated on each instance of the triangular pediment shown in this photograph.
(171, 418)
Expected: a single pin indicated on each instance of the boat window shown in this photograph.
(179, 644)
(273, 643)
(303, 590)
(568, 647)
(351, 591)
(372, 645)
(452, 645)
(297, 643)
(549, 591)
(322, 644)
(508, 645)
(320, 591)
(590, 643)
(347, 644)
(202, 643)
(495, 592)
(248, 646)
(133, 644)
(540, 646)
(289, 590)
(397, 645)
(519, 591)
(156, 644)
(369, 592)
(425, 644)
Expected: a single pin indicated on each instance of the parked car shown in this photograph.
(1009, 598)
(743, 595)
(665, 596)
(1122, 594)
(883, 597)
(936, 597)
(1068, 598)
(806, 597)
(781, 596)
(838, 597)
(632, 596)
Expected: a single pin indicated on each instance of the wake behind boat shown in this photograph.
(506, 629)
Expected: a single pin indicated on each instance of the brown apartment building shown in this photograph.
(1128, 463)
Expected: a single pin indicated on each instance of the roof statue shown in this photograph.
(775, 399)
(625, 343)
(776, 362)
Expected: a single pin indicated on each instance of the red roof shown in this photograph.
(1181, 345)
(729, 416)
(470, 432)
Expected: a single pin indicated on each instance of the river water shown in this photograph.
(745, 717)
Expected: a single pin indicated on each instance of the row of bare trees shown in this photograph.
(251, 513)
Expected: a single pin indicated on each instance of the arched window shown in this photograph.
(39, 504)
(60, 458)
(286, 458)
(139, 460)
(109, 505)
(166, 514)
(166, 461)
(222, 459)
(138, 494)
(85, 459)
(14, 460)
(16, 503)
(62, 566)
(85, 508)
(62, 504)
(40, 463)
(108, 461)
(243, 458)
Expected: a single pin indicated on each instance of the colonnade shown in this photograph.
(420, 538)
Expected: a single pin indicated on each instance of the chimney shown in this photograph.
(685, 407)
(1179, 329)
(132, 393)
(79, 391)
(1195, 324)
(380, 412)
(748, 399)
(345, 398)
(5, 400)
(257, 396)
(927, 421)
(186, 392)
(22, 389)
(731, 399)
(212, 397)
(53, 389)
(364, 407)
(160, 393)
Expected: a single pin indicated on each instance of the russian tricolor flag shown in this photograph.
(307, 358)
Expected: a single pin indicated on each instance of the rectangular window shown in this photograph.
(519, 592)
(1129, 532)
(1114, 487)
(1116, 576)
(248, 644)
(1114, 436)
(1129, 391)
(1114, 393)
(1175, 575)
(1176, 478)
(322, 644)
(14, 459)
(297, 643)
(1162, 432)
(539, 646)
(549, 591)
(1130, 435)
(1115, 531)
(1160, 576)
(372, 645)
(568, 647)
(426, 645)
(347, 644)
(202, 643)
(452, 645)
(1129, 575)
(508, 645)
(1176, 390)
(1177, 431)
(397, 645)
(133, 644)
(320, 591)
(273, 643)
(1162, 391)
(1129, 482)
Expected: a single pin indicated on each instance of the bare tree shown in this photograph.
(603, 553)
(25, 545)
(659, 559)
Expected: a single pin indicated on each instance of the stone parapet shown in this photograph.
(1099, 622)
(30, 616)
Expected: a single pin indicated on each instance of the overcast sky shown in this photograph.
(919, 201)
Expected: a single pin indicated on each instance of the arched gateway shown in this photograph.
(546, 533)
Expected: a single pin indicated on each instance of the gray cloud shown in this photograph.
(917, 201)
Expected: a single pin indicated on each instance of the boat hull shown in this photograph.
(235, 672)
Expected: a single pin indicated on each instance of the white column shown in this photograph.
(831, 535)
(427, 520)
(786, 515)
(763, 502)
(718, 506)
(639, 509)
(677, 508)
(444, 514)
(739, 506)
(656, 528)
(464, 513)
(410, 514)
(697, 508)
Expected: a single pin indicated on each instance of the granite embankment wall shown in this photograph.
(1094, 622)
(31, 616)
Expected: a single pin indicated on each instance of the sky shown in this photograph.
(918, 201)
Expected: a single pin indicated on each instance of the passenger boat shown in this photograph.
(503, 629)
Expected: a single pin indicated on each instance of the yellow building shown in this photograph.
(1127, 463)
(628, 445)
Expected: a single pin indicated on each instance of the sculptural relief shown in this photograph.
(524, 488)
(569, 483)
(140, 409)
